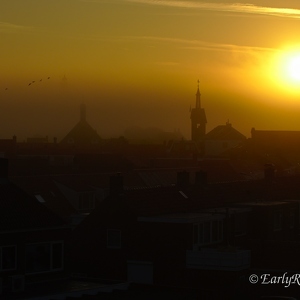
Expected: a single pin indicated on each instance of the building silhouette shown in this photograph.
(82, 133)
(198, 121)
(221, 139)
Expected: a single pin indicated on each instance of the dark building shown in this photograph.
(32, 241)
(221, 139)
(82, 133)
(8, 147)
(205, 237)
(198, 119)
(279, 141)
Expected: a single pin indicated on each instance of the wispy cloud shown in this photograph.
(246, 8)
(224, 7)
(226, 54)
(5, 27)
(201, 45)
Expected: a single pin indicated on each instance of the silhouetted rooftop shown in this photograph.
(19, 211)
(82, 133)
(224, 132)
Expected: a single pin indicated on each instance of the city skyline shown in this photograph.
(137, 62)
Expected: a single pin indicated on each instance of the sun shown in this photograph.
(289, 67)
(293, 67)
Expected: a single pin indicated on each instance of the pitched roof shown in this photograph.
(45, 187)
(82, 133)
(19, 211)
(161, 200)
(224, 132)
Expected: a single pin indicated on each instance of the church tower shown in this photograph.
(198, 121)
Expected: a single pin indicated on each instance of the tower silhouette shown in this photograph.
(198, 122)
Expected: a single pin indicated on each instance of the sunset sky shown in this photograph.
(137, 62)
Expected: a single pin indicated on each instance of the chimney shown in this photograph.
(116, 184)
(55, 140)
(3, 168)
(82, 112)
(183, 179)
(200, 178)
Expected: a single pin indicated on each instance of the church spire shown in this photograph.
(198, 96)
(198, 121)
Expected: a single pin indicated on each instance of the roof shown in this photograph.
(183, 218)
(170, 200)
(82, 133)
(19, 211)
(45, 189)
(174, 205)
(224, 132)
(279, 139)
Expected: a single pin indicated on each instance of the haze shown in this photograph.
(137, 62)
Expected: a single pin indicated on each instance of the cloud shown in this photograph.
(228, 54)
(198, 44)
(8, 27)
(224, 7)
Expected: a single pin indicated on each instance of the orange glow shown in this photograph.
(286, 70)
(293, 67)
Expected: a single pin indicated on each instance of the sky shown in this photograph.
(137, 63)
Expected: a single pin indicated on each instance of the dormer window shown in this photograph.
(8, 259)
(277, 221)
(113, 238)
(208, 232)
(39, 198)
(240, 224)
(292, 219)
(86, 201)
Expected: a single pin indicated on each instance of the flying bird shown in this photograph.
(33, 81)
(48, 77)
(41, 79)
(29, 84)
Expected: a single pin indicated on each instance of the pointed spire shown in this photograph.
(198, 96)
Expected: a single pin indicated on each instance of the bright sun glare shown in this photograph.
(287, 71)
(293, 67)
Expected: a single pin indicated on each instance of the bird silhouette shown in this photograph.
(29, 84)
(48, 77)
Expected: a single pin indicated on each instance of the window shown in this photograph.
(40, 198)
(196, 233)
(8, 259)
(44, 257)
(208, 232)
(292, 219)
(277, 221)
(86, 201)
(240, 224)
(113, 238)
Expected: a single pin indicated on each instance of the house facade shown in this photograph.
(32, 243)
(195, 238)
